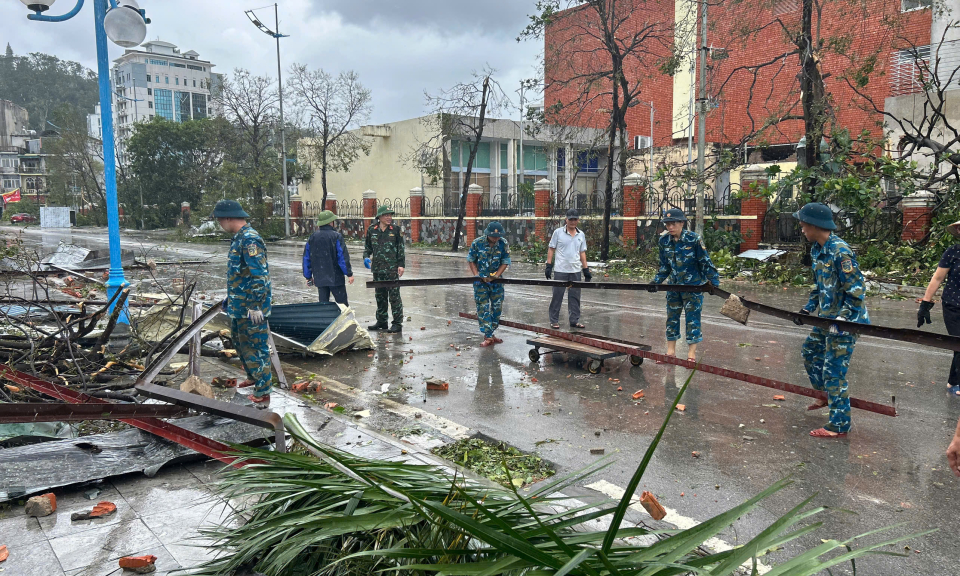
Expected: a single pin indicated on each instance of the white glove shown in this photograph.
(255, 316)
(834, 331)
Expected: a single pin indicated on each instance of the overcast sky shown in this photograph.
(399, 47)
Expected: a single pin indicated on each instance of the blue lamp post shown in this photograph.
(126, 25)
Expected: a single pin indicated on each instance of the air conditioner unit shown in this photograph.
(642, 142)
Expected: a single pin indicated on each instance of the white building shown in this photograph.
(94, 125)
(155, 79)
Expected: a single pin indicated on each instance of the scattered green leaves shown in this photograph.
(490, 458)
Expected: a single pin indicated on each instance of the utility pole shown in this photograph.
(283, 139)
(522, 118)
(701, 117)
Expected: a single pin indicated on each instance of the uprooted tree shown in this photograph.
(457, 114)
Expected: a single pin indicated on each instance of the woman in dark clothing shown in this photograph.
(948, 274)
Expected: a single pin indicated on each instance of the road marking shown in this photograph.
(439, 423)
(680, 521)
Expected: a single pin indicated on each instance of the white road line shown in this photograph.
(439, 423)
(673, 517)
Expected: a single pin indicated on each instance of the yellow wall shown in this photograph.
(382, 171)
(685, 12)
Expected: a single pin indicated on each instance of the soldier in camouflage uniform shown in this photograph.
(684, 260)
(839, 293)
(488, 258)
(383, 253)
(248, 298)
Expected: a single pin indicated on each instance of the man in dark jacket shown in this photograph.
(326, 260)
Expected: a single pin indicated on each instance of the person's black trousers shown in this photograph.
(951, 318)
(339, 294)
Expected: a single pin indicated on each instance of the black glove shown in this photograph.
(799, 321)
(587, 276)
(549, 272)
(923, 314)
(652, 288)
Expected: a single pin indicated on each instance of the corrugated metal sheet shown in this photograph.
(303, 322)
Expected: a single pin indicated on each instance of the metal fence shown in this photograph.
(779, 225)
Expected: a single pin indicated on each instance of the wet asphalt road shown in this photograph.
(888, 471)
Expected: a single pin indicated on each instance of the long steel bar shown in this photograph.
(533, 282)
(17, 413)
(191, 440)
(899, 334)
(743, 377)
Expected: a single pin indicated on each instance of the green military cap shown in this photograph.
(326, 217)
(384, 210)
(229, 209)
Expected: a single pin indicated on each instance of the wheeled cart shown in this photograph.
(596, 356)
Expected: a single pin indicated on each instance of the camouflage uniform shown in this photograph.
(385, 249)
(248, 288)
(488, 295)
(685, 261)
(839, 293)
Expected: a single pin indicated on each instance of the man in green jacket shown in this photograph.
(383, 253)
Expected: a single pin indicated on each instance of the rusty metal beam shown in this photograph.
(17, 413)
(534, 282)
(155, 426)
(238, 412)
(741, 376)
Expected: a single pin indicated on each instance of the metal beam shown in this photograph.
(532, 282)
(663, 358)
(155, 426)
(18, 413)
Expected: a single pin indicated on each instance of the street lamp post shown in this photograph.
(283, 140)
(652, 110)
(125, 24)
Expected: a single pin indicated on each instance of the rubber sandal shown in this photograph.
(578, 325)
(555, 326)
(497, 340)
(487, 342)
(260, 402)
(955, 390)
(817, 406)
(662, 362)
(824, 433)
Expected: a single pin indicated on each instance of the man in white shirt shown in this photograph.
(569, 245)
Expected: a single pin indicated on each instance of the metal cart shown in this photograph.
(596, 356)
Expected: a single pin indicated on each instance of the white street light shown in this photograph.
(124, 24)
(38, 5)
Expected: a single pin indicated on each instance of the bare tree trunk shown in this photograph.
(608, 187)
(473, 154)
(814, 93)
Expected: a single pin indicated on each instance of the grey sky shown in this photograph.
(399, 47)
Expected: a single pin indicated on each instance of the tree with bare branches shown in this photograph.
(602, 56)
(332, 110)
(459, 113)
(250, 104)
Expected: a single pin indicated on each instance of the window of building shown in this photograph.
(460, 155)
(588, 161)
(504, 155)
(158, 62)
(164, 101)
(195, 67)
(149, 91)
(176, 81)
(785, 6)
(534, 158)
(199, 106)
(908, 5)
(178, 65)
(194, 83)
(151, 116)
(6, 162)
(149, 104)
(181, 106)
(166, 79)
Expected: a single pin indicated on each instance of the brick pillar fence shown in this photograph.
(297, 223)
(917, 216)
(331, 203)
(416, 211)
(369, 208)
(184, 213)
(752, 204)
(633, 207)
(268, 205)
(541, 202)
(474, 193)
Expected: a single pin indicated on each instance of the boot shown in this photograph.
(395, 329)
(377, 326)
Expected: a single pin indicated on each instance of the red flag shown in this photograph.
(12, 196)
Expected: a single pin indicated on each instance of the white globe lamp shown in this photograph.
(124, 25)
(38, 5)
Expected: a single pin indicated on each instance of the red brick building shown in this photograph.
(752, 69)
